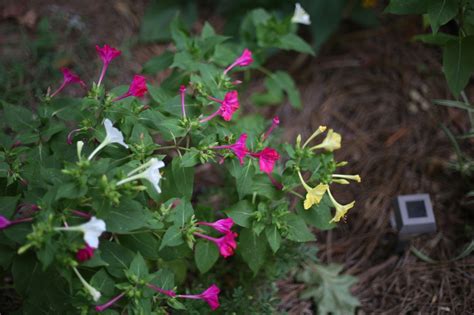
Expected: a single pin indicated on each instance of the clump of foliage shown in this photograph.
(104, 207)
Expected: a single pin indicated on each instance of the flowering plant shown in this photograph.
(106, 204)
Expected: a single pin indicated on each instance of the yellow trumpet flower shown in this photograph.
(341, 210)
(313, 195)
(351, 177)
(330, 143)
(318, 131)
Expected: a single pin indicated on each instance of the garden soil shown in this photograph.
(374, 86)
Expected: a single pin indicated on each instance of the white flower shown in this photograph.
(300, 15)
(92, 291)
(92, 231)
(151, 173)
(112, 135)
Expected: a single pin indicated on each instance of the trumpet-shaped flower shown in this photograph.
(239, 148)
(318, 131)
(229, 105)
(226, 244)
(68, 78)
(5, 223)
(267, 159)
(223, 225)
(244, 60)
(341, 210)
(300, 15)
(103, 307)
(313, 195)
(91, 229)
(112, 135)
(210, 296)
(330, 143)
(137, 88)
(107, 54)
(84, 254)
(350, 177)
(90, 289)
(182, 91)
(275, 123)
(151, 173)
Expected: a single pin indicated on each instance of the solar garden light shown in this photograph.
(413, 215)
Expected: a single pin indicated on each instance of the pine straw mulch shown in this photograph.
(374, 87)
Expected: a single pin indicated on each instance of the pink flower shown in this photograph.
(226, 243)
(239, 148)
(84, 254)
(210, 296)
(244, 60)
(137, 88)
(229, 105)
(169, 293)
(5, 223)
(267, 159)
(106, 53)
(69, 77)
(100, 308)
(275, 123)
(223, 225)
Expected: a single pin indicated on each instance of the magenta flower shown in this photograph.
(84, 254)
(229, 105)
(106, 53)
(5, 223)
(226, 244)
(275, 123)
(100, 308)
(182, 91)
(267, 159)
(69, 77)
(137, 88)
(210, 296)
(244, 60)
(169, 293)
(223, 225)
(239, 148)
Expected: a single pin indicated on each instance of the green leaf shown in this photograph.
(183, 179)
(253, 249)
(455, 104)
(158, 63)
(241, 213)
(329, 289)
(458, 63)
(205, 255)
(6, 256)
(273, 237)
(190, 158)
(145, 243)
(243, 177)
(286, 83)
(164, 279)
(297, 229)
(318, 216)
(19, 118)
(294, 42)
(138, 267)
(103, 282)
(117, 256)
(172, 237)
(441, 12)
(128, 216)
(182, 213)
(439, 39)
(8, 205)
(408, 6)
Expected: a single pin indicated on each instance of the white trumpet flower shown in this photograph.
(151, 173)
(113, 135)
(300, 16)
(92, 231)
(92, 291)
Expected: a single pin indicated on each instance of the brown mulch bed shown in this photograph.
(374, 87)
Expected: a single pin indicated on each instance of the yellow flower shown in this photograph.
(330, 143)
(369, 3)
(341, 210)
(351, 177)
(313, 195)
(318, 131)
